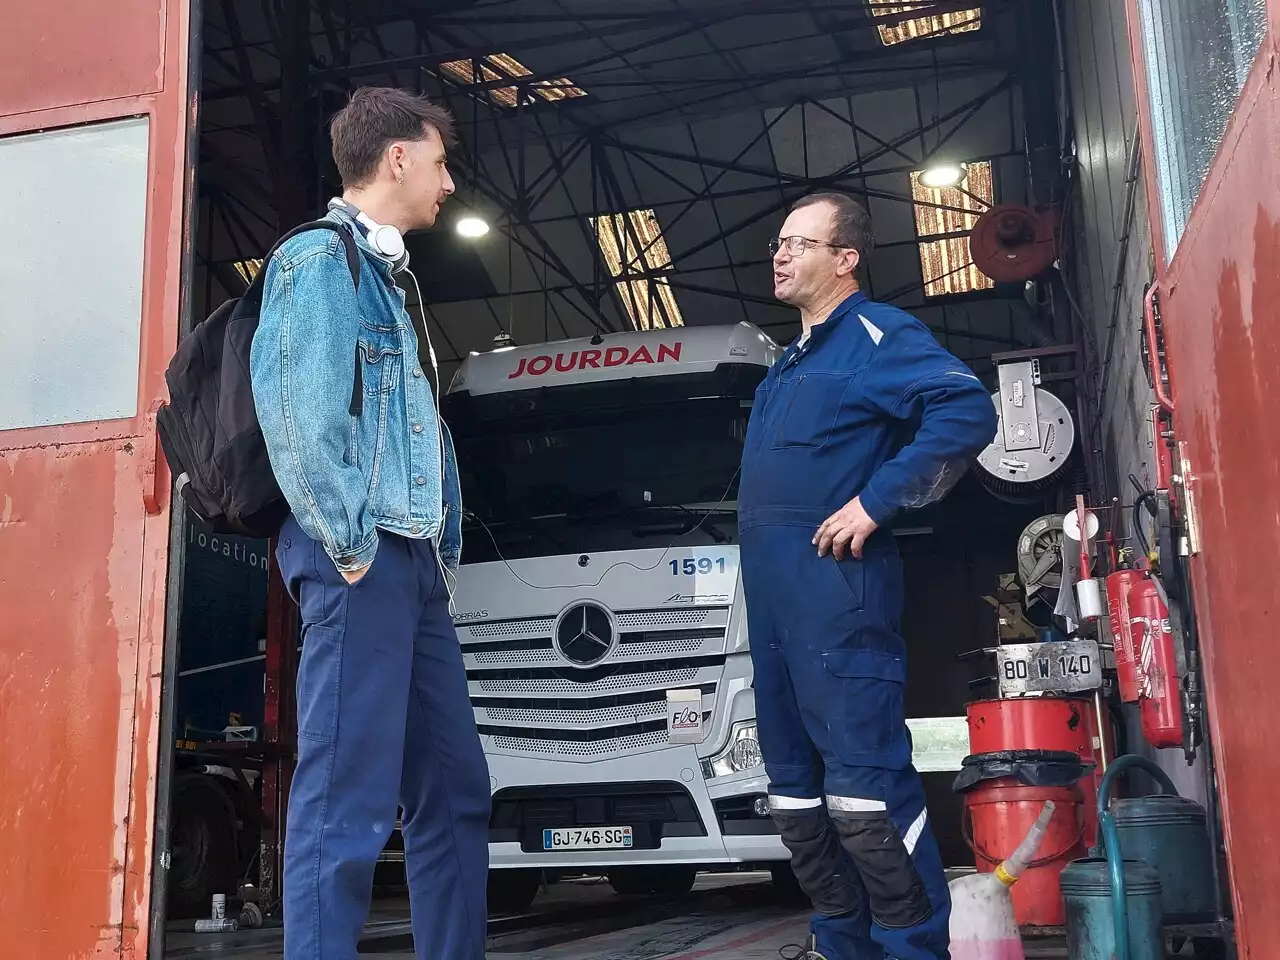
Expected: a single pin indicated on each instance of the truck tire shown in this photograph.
(512, 891)
(204, 845)
(665, 881)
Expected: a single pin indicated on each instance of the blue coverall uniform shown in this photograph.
(831, 421)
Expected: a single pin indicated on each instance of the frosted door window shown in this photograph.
(1197, 53)
(71, 273)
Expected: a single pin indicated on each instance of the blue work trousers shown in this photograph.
(383, 720)
(829, 676)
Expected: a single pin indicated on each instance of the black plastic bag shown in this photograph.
(1031, 768)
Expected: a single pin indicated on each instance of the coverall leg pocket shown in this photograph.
(868, 727)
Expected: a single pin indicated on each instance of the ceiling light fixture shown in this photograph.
(942, 175)
(471, 228)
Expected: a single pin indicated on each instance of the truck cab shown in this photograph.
(599, 605)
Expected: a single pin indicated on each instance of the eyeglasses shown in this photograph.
(796, 246)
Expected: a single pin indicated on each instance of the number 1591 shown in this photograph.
(688, 566)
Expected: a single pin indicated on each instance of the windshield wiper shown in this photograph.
(530, 529)
(699, 522)
(525, 531)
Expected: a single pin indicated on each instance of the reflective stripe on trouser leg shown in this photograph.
(855, 805)
(915, 831)
(777, 802)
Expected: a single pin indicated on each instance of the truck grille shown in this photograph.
(529, 700)
(637, 645)
(599, 748)
(594, 712)
(507, 628)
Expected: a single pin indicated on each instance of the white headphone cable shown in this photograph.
(449, 580)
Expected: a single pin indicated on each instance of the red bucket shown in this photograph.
(1042, 723)
(999, 815)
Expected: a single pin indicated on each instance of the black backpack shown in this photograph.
(209, 429)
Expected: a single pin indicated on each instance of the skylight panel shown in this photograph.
(632, 243)
(917, 28)
(498, 67)
(940, 214)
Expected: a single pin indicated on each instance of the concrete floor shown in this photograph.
(727, 917)
(703, 936)
(722, 909)
(687, 939)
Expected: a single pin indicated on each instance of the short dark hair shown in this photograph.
(375, 117)
(850, 222)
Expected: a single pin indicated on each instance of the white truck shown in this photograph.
(600, 612)
(599, 605)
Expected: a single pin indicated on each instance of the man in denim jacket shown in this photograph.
(357, 446)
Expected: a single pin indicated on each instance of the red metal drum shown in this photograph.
(999, 814)
(1043, 723)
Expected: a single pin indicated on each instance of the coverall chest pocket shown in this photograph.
(868, 727)
(809, 406)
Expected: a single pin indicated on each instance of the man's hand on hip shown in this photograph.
(846, 529)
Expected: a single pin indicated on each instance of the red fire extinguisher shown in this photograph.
(1118, 586)
(1159, 690)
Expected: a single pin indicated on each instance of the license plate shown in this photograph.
(588, 838)
(1071, 666)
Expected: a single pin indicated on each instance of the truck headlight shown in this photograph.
(740, 755)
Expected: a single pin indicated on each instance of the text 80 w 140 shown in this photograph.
(1069, 666)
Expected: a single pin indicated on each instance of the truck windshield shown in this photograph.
(601, 477)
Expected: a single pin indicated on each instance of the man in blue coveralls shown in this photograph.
(864, 415)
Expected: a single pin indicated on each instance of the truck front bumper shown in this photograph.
(677, 816)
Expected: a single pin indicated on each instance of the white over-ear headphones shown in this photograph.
(385, 240)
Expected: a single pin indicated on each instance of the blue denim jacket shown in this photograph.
(346, 475)
(872, 406)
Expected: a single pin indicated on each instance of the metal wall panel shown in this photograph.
(1221, 312)
(84, 522)
(1104, 116)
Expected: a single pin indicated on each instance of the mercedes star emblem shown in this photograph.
(584, 634)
